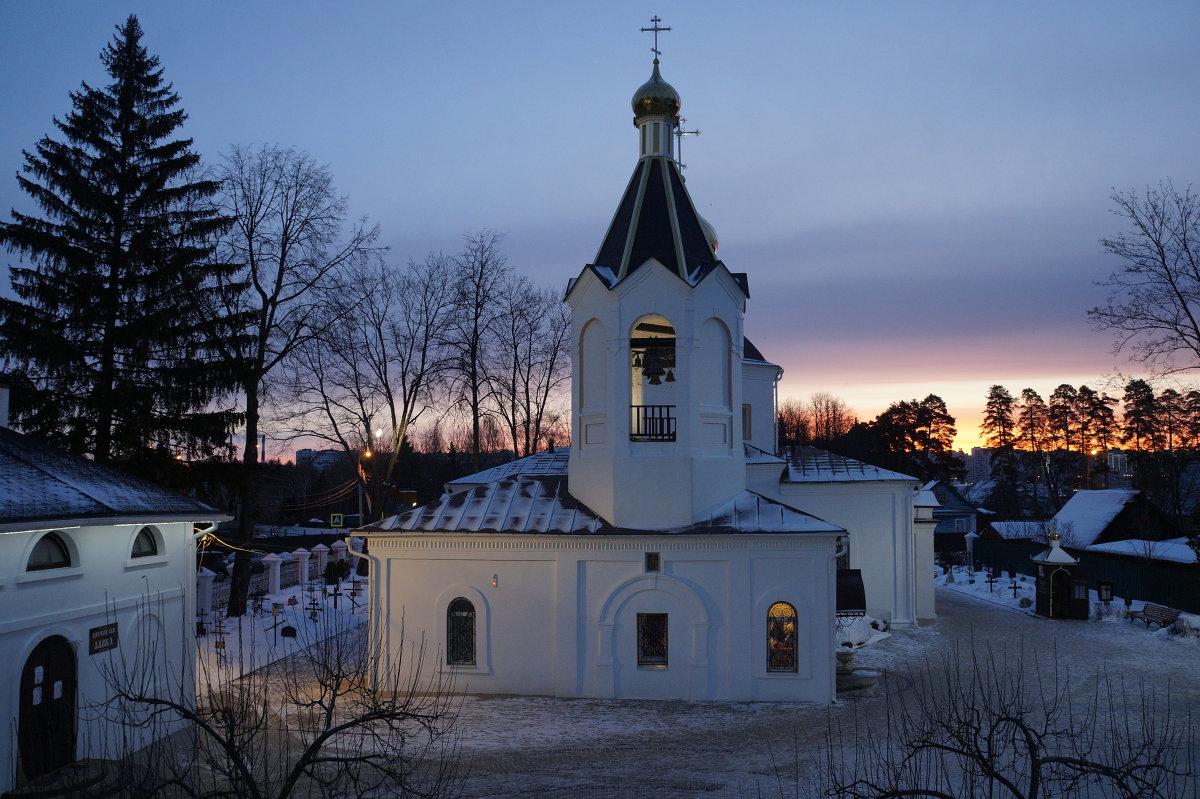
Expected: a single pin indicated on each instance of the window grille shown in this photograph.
(460, 633)
(652, 639)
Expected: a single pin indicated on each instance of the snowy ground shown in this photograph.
(588, 749)
(257, 638)
(536, 746)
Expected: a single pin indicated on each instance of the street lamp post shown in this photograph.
(362, 484)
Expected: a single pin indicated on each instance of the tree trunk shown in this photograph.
(239, 585)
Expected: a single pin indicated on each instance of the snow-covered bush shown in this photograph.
(1186, 626)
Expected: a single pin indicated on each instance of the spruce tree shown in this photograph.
(998, 419)
(115, 287)
(998, 427)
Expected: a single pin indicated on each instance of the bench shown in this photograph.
(1155, 614)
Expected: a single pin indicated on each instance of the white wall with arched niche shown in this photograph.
(559, 615)
(715, 364)
(148, 598)
(591, 374)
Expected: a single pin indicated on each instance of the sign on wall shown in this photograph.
(102, 639)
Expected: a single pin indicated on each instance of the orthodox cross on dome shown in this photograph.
(654, 20)
(679, 134)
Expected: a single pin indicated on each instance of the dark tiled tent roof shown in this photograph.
(657, 220)
(39, 482)
(751, 352)
(542, 505)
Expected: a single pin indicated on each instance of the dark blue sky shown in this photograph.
(916, 189)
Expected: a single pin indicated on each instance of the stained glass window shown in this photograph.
(652, 639)
(460, 633)
(781, 637)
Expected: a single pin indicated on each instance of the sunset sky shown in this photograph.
(916, 189)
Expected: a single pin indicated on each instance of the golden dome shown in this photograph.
(710, 233)
(655, 97)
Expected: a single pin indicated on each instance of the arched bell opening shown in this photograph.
(652, 379)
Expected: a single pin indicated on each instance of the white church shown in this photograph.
(668, 553)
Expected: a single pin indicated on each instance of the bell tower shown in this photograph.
(656, 347)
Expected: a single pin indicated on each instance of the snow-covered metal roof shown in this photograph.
(755, 455)
(812, 465)
(1018, 530)
(542, 505)
(926, 499)
(1173, 549)
(554, 462)
(1055, 554)
(40, 483)
(550, 462)
(1087, 513)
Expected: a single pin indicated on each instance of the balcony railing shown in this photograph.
(652, 423)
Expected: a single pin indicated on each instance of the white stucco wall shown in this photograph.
(878, 517)
(561, 617)
(148, 597)
(758, 391)
(625, 481)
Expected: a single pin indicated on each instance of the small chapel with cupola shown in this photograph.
(669, 552)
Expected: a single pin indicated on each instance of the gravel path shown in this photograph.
(545, 747)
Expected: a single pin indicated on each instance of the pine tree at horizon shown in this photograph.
(115, 285)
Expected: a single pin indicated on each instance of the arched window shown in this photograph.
(50, 552)
(652, 371)
(145, 545)
(460, 633)
(781, 637)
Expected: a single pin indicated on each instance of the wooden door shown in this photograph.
(46, 730)
(1060, 594)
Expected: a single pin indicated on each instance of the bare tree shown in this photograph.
(1154, 301)
(795, 424)
(292, 242)
(481, 270)
(364, 383)
(831, 417)
(988, 725)
(529, 361)
(325, 722)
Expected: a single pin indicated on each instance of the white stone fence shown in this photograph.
(279, 573)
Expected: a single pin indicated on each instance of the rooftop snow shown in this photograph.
(39, 482)
(756, 455)
(812, 465)
(542, 505)
(1017, 530)
(1087, 513)
(550, 462)
(1174, 549)
(555, 463)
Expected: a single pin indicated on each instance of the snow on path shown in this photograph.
(546, 747)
